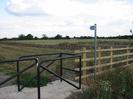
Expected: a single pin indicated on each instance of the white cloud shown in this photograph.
(112, 16)
(70, 7)
(50, 7)
(24, 7)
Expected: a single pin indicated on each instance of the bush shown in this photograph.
(122, 83)
(98, 90)
(28, 81)
(114, 85)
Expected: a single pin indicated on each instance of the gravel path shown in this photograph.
(55, 90)
(2, 78)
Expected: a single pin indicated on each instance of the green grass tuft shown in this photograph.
(117, 84)
(28, 81)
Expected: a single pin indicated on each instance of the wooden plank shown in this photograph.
(111, 56)
(84, 63)
(92, 74)
(92, 67)
(98, 73)
(105, 57)
(89, 59)
(127, 54)
(79, 51)
(115, 49)
(121, 55)
(88, 51)
(104, 65)
(99, 58)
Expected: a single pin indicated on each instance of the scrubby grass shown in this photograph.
(28, 81)
(75, 41)
(9, 52)
(14, 51)
(116, 84)
(52, 42)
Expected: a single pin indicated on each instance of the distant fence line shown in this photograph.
(107, 59)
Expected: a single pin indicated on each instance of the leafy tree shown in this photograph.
(58, 36)
(36, 38)
(67, 37)
(21, 37)
(44, 36)
(29, 37)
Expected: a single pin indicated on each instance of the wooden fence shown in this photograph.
(107, 59)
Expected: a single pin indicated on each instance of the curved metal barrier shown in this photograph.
(17, 70)
(40, 67)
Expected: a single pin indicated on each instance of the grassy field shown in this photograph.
(73, 41)
(9, 50)
(13, 52)
(14, 49)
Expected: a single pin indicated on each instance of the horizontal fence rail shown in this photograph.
(114, 56)
(114, 49)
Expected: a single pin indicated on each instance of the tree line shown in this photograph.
(59, 36)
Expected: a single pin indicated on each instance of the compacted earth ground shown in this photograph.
(54, 90)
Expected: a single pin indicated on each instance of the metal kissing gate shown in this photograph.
(41, 68)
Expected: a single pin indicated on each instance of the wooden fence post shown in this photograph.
(111, 56)
(84, 64)
(99, 58)
(127, 55)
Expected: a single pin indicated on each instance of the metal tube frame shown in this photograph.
(61, 67)
(17, 71)
(38, 80)
(18, 77)
(39, 71)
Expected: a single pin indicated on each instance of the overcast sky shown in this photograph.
(65, 17)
